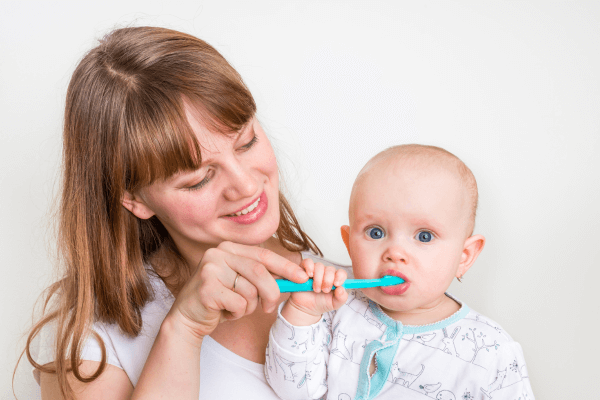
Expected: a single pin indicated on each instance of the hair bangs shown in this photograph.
(160, 141)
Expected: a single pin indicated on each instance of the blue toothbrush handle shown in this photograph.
(286, 286)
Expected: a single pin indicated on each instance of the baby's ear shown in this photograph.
(471, 250)
(345, 230)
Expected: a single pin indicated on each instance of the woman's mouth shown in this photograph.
(251, 212)
(395, 290)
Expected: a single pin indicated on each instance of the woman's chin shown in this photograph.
(256, 235)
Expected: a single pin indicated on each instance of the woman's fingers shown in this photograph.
(234, 279)
(210, 295)
(257, 275)
(249, 292)
(233, 304)
(273, 262)
(253, 271)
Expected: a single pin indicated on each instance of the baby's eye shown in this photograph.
(424, 236)
(375, 233)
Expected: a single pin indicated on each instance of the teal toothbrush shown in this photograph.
(286, 286)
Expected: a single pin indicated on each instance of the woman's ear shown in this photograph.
(471, 250)
(345, 230)
(137, 206)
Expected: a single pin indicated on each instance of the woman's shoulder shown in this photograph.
(122, 350)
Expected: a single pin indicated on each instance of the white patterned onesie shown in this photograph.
(466, 356)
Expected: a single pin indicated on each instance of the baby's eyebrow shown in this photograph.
(362, 215)
(426, 223)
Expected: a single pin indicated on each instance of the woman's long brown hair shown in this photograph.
(125, 127)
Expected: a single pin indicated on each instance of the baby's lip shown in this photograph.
(395, 272)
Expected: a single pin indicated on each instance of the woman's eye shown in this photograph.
(203, 182)
(375, 233)
(251, 143)
(424, 236)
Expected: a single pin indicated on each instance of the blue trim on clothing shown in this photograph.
(384, 350)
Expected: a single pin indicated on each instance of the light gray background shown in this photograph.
(511, 87)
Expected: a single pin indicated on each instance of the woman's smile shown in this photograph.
(252, 212)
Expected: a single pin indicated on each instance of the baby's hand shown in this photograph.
(306, 308)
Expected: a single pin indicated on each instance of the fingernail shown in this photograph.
(301, 275)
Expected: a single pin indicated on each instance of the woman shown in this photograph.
(171, 221)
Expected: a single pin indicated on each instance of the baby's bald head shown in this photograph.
(423, 158)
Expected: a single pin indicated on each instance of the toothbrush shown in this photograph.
(286, 286)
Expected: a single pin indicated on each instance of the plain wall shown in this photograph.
(511, 87)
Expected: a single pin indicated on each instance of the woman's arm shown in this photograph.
(172, 370)
(173, 366)
(113, 383)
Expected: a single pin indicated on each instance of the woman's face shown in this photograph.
(233, 196)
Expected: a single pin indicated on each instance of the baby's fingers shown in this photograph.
(318, 277)
(328, 278)
(340, 278)
(340, 295)
(309, 266)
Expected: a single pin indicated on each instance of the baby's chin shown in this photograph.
(387, 302)
(413, 310)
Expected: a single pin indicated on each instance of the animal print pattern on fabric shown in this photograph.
(464, 357)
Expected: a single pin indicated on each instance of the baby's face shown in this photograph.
(410, 222)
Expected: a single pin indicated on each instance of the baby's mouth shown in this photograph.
(395, 290)
(394, 272)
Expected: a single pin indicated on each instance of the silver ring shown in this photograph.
(235, 281)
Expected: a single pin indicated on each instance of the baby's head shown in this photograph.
(412, 214)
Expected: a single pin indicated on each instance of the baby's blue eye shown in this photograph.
(375, 233)
(424, 236)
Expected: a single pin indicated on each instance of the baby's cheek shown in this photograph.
(437, 284)
(361, 272)
(363, 265)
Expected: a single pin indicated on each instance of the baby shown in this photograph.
(412, 214)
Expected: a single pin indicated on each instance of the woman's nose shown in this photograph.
(241, 181)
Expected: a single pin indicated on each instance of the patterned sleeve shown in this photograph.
(509, 379)
(297, 358)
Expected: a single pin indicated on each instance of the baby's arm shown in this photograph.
(297, 353)
(509, 378)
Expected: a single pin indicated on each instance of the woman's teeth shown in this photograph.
(246, 210)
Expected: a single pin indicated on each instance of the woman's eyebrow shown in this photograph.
(244, 129)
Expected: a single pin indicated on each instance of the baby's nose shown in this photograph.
(395, 254)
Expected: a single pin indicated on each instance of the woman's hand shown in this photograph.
(209, 297)
(306, 308)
